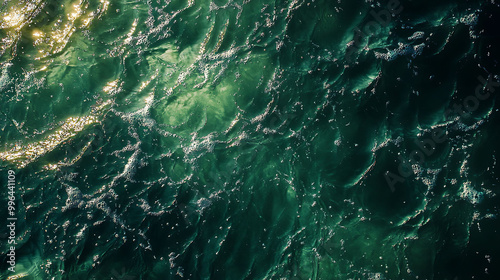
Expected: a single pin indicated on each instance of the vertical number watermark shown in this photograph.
(11, 220)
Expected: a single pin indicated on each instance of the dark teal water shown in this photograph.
(251, 139)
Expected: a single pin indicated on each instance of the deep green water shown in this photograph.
(251, 139)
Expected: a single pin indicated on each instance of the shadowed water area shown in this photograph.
(251, 139)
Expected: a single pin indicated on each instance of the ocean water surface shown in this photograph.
(250, 139)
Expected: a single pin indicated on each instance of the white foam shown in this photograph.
(4, 76)
(402, 50)
(417, 35)
(471, 21)
(470, 194)
(75, 198)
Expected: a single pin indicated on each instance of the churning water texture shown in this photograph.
(250, 139)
